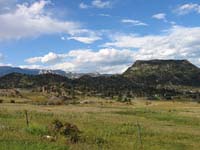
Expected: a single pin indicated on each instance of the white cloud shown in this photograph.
(159, 16)
(103, 61)
(96, 4)
(176, 43)
(134, 22)
(49, 58)
(105, 15)
(33, 60)
(87, 40)
(32, 67)
(188, 8)
(62, 38)
(2, 64)
(34, 20)
(86, 37)
(101, 4)
(83, 6)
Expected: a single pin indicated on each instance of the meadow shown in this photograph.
(104, 124)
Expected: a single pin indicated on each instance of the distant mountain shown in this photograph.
(4, 70)
(162, 78)
(165, 72)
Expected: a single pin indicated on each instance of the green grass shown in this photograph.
(28, 145)
(161, 116)
(109, 126)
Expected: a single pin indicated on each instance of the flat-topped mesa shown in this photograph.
(163, 62)
(164, 71)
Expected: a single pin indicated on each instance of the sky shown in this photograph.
(105, 36)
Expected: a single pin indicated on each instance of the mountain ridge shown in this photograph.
(142, 79)
(4, 70)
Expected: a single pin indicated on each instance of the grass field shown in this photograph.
(159, 125)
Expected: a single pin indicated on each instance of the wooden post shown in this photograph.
(27, 121)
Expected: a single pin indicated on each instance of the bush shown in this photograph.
(74, 137)
(56, 126)
(12, 101)
(1, 101)
(69, 130)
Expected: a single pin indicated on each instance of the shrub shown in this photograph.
(74, 137)
(69, 130)
(55, 126)
(1, 101)
(12, 101)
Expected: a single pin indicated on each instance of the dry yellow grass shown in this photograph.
(106, 125)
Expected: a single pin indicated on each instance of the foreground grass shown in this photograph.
(113, 126)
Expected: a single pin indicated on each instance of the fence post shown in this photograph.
(27, 121)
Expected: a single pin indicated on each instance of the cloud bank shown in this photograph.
(176, 43)
(34, 20)
(103, 61)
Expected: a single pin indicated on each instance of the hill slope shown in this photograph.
(164, 72)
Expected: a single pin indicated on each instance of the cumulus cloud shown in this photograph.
(133, 22)
(96, 4)
(49, 58)
(188, 8)
(103, 61)
(175, 43)
(33, 20)
(159, 16)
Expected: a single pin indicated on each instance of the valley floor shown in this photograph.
(155, 125)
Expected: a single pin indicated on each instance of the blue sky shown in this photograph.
(103, 36)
